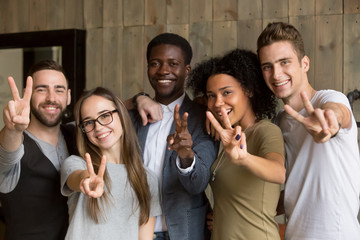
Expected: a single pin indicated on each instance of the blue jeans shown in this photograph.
(161, 236)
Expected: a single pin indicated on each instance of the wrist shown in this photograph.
(134, 102)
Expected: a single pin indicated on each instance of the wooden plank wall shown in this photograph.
(119, 30)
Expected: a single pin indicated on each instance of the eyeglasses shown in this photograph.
(104, 119)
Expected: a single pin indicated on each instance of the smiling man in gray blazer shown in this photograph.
(177, 148)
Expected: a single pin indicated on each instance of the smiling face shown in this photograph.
(284, 74)
(167, 72)
(106, 138)
(225, 91)
(49, 98)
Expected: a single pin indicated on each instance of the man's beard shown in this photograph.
(42, 118)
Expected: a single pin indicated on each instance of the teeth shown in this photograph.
(103, 135)
(50, 108)
(164, 81)
(281, 83)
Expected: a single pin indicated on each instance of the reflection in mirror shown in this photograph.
(17, 63)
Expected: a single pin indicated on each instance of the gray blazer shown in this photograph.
(183, 199)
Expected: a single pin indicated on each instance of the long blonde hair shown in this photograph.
(130, 156)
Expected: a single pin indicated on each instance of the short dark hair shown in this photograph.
(47, 65)
(244, 66)
(171, 39)
(280, 31)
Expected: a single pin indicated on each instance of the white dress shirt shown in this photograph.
(155, 149)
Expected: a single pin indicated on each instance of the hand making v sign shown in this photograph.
(181, 140)
(322, 123)
(93, 185)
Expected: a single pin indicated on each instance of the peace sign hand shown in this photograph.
(16, 114)
(181, 140)
(93, 185)
(320, 123)
(233, 140)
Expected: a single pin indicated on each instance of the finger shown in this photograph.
(214, 122)
(86, 186)
(243, 142)
(14, 90)
(177, 118)
(184, 122)
(28, 89)
(144, 117)
(225, 119)
(208, 126)
(102, 167)
(332, 121)
(89, 164)
(297, 116)
(170, 139)
(307, 104)
(237, 136)
(319, 113)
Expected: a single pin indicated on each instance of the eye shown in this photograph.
(40, 90)
(154, 64)
(226, 93)
(266, 67)
(60, 91)
(88, 123)
(284, 62)
(210, 96)
(105, 116)
(174, 64)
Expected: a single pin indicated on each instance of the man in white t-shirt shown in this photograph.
(323, 166)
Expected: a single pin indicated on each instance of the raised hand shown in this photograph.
(181, 140)
(93, 185)
(16, 114)
(233, 140)
(149, 110)
(320, 123)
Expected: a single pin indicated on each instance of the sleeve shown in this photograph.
(70, 164)
(155, 207)
(270, 139)
(10, 168)
(205, 151)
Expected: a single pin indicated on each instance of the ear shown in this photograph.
(68, 97)
(187, 69)
(305, 63)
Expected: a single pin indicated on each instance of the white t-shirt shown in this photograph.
(323, 179)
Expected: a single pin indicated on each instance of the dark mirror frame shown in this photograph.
(73, 43)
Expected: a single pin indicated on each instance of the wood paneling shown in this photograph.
(351, 6)
(55, 14)
(112, 61)
(94, 43)
(248, 33)
(201, 11)
(93, 13)
(351, 52)
(328, 53)
(133, 54)
(155, 12)
(177, 11)
(37, 21)
(225, 10)
(224, 37)
(113, 13)
(74, 14)
(275, 9)
(134, 12)
(249, 9)
(201, 41)
(329, 7)
(301, 7)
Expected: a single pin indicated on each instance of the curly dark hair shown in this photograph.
(244, 66)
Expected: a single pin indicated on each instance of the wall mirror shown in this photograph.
(19, 51)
